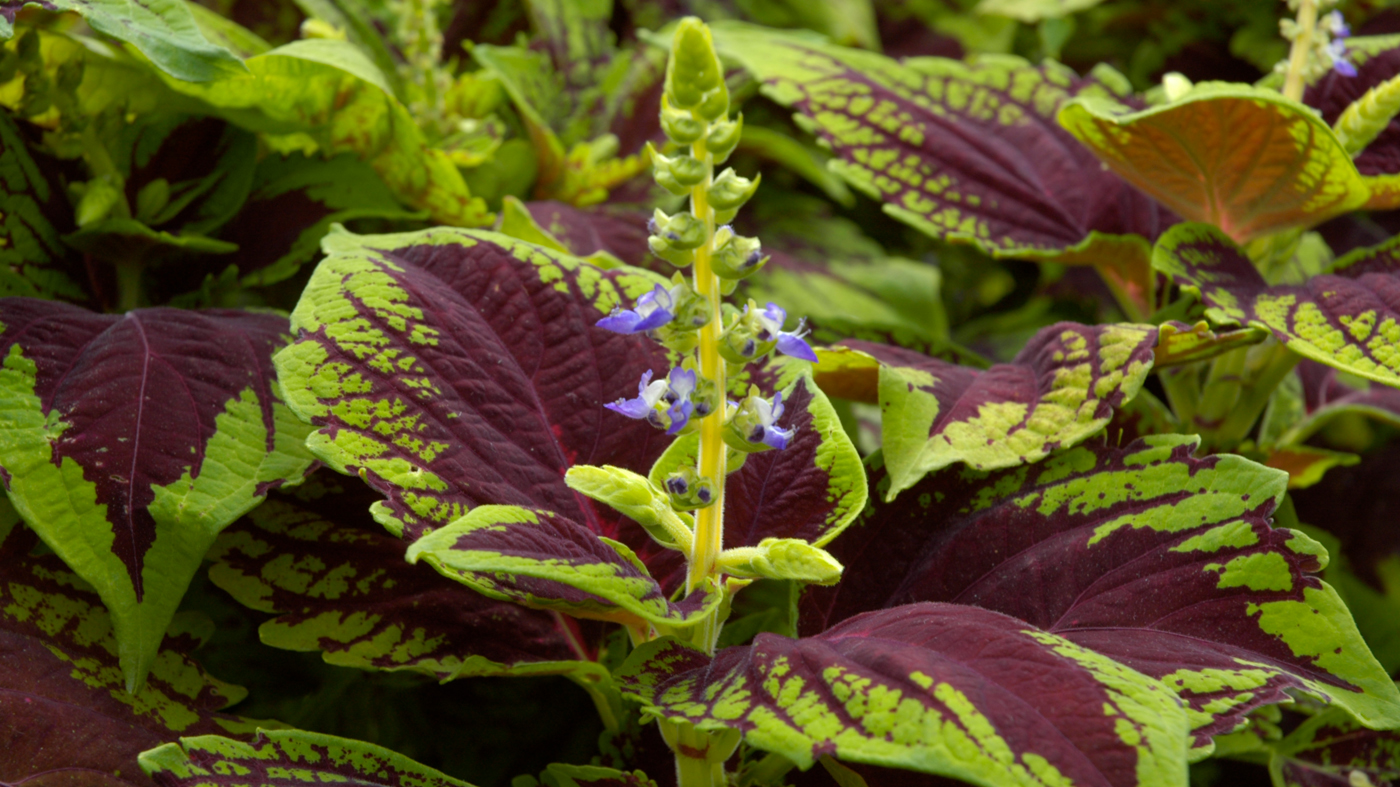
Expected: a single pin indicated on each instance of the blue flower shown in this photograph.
(651, 311)
(771, 318)
(664, 404)
(648, 394)
(1337, 27)
(680, 385)
(767, 431)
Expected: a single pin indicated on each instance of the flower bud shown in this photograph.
(735, 256)
(730, 192)
(723, 137)
(753, 426)
(693, 68)
(679, 126)
(688, 490)
(783, 558)
(681, 231)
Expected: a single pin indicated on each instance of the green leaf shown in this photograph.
(1244, 159)
(1032, 11)
(163, 30)
(809, 163)
(33, 215)
(1345, 318)
(545, 561)
(560, 774)
(1062, 387)
(634, 497)
(285, 758)
(324, 95)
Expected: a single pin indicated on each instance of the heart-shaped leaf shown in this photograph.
(453, 369)
(340, 585)
(163, 30)
(65, 715)
(457, 368)
(1244, 159)
(1332, 750)
(33, 216)
(965, 152)
(1143, 555)
(543, 560)
(1347, 318)
(941, 688)
(1061, 388)
(285, 758)
(129, 441)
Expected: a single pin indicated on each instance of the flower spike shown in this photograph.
(653, 310)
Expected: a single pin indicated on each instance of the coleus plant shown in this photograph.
(1034, 580)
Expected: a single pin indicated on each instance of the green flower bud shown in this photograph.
(688, 490)
(724, 137)
(729, 191)
(783, 558)
(100, 199)
(681, 231)
(679, 126)
(692, 309)
(753, 425)
(673, 174)
(715, 105)
(680, 258)
(693, 68)
(735, 256)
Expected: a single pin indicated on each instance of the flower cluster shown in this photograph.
(712, 338)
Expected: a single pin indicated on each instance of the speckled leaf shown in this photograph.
(294, 201)
(810, 490)
(454, 368)
(340, 585)
(1061, 388)
(1334, 92)
(1142, 554)
(546, 561)
(964, 152)
(65, 716)
(940, 688)
(1347, 318)
(129, 441)
(1244, 159)
(33, 215)
(321, 95)
(1332, 750)
(285, 758)
(163, 30)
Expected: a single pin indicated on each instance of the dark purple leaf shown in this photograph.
(1143, 554)
(584, 231)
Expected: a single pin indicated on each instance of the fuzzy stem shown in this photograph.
(1302, 49)
(1267, 374)
(709, 521)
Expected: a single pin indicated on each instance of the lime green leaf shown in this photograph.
(163, 30)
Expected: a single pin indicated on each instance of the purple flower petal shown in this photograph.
(679, 413)
(621, 321)
(653, 321)
(776, 437)
(792, 344)
(632, 408)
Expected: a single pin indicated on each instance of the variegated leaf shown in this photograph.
(947, 689)
(65, 715)
(1244, 159)
(965, 152)
(1334, 92)
(1347, 318)
(1332, 750)
(285, 758)
(1061, 388)
(1142, 554)
(129, 441)
(543, 560)
(339, 584)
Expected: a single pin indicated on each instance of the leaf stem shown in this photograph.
(128, 285)
(1264, 375)
(1302, 48)
(709, 521)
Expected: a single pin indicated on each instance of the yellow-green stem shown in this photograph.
(1302, 49)
(709, 522)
